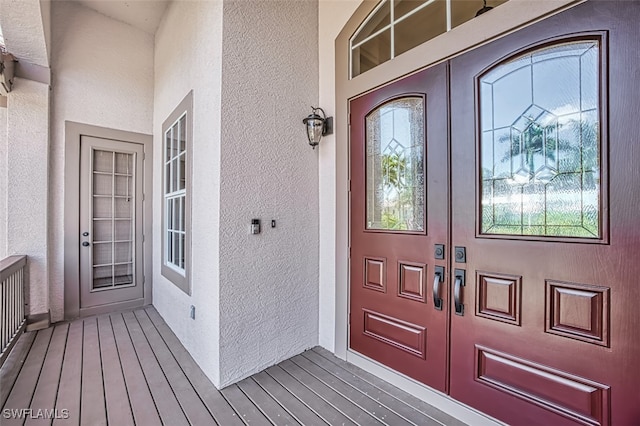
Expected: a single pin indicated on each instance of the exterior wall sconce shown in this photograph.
(317, 126)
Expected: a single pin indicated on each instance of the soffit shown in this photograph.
(142, 14)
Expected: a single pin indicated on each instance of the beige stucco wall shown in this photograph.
(26, 30)
(268, 282)
(102, 74)
(3, 182)
(26, 185)
(188, 49)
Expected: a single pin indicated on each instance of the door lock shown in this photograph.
(85, 244)
(85, 234)
(461, 254)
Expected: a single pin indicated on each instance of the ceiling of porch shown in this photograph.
(142, 14)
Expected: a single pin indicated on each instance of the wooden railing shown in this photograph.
(13, 279)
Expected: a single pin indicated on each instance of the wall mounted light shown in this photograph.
(317, 126)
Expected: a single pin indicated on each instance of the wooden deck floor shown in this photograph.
(130, 369)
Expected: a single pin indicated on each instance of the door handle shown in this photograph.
(457, 291)
(437, 279)
(85, 244)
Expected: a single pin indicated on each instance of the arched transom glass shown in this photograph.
(540, 143)
(396, 26)
(395, 166)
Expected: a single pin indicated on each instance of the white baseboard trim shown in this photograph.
(432, 397)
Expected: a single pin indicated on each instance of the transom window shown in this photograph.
(396, 26)
(176, 209)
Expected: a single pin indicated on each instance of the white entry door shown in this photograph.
(111, 266)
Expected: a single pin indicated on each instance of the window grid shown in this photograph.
(175, 194)
(463, 12)
(113, 257)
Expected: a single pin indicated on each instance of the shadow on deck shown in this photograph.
(128, 368)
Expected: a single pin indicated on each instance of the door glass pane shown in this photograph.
(395, 154)
(423, 25)
(372, 53)
(376, 22)
(465, 10)
(540, 143)
(402, 7)
(113, 219)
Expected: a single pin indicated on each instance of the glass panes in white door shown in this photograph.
(113, 216)
(540, 143)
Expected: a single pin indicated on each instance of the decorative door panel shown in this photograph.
(545, 192)
(398, 213)
(110, 222)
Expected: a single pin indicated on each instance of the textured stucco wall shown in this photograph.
(27, 170)
(333, 15)
(3, 182)
(102, 73)
(188, 57)
(268, 282)
(26, 30)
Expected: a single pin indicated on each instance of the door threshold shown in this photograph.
(431, 396)
(112, 307)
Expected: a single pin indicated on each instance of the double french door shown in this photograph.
(494, 225)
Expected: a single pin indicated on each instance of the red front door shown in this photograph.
(399, 213)
(539, 321)
(545, 197)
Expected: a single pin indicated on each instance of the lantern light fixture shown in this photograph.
(317, 126)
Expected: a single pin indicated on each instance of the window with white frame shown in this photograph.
(176, 208)
(395, 26)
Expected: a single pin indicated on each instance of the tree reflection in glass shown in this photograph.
(540, 147)
(395, 166)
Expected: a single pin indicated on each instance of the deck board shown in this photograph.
(324, 409)
(212, 398)
(363, 401)
(128, 368)
(302, 413)
(70, 384)
(269, 407)
(403, 397)
(115, 390)
(408, 412)
(344, 405)
(92, 402)
(187, 397)
(13, 365)
(163, 396)
(47, 388)
(142, 405)
(25, 384)
(251, 414)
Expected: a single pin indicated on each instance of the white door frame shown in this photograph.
(73, 133)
